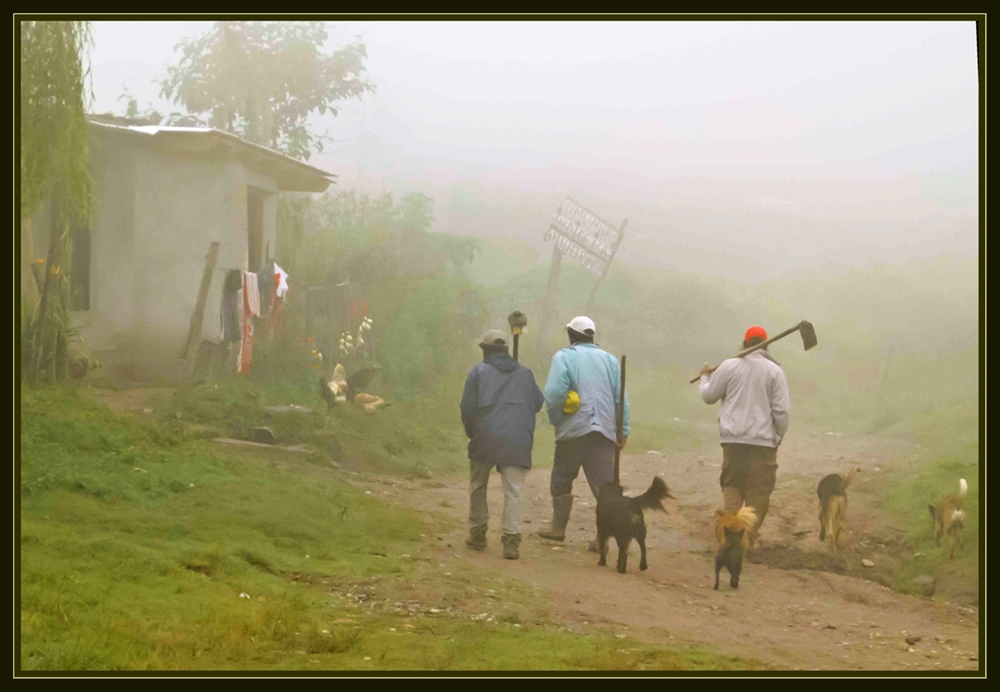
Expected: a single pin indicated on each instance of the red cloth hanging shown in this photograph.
(246, 345)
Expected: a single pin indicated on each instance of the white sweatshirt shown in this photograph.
(755, 400)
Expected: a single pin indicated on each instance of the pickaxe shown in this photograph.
(808, 341)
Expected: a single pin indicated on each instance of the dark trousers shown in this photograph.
(594, 452)
(748, 474)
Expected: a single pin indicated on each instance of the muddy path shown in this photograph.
(797, 606)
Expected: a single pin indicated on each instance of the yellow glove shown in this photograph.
(572, 403)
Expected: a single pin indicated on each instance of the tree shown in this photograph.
(54, 164)
(261, 81)
(53, 115)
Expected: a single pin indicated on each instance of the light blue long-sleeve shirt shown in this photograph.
(596, 376)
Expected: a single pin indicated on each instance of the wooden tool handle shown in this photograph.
(620, 425)
(699, 376)
(748, 351)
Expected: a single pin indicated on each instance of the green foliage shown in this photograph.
(54, 149)
(432, 333)
(262, 80)
(145, 550)
(55, 164)
(412, 280)
(417, 439)
(50, 334)
(949, 450)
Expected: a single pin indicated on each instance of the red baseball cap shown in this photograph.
(755, 331)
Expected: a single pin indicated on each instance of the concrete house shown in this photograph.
(162, 195)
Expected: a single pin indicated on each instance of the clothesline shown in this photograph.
(262, 293)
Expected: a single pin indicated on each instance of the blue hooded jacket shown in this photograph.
(498, 406)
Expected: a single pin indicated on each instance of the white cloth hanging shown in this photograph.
(282, 278)
(252, 293)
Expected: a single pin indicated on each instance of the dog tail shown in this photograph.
(743, 520)
(746, 518)
(653, 498)
(850, 477)
(963, 488)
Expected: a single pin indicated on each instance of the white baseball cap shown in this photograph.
(583, 325)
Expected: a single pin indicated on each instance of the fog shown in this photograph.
(750, 150)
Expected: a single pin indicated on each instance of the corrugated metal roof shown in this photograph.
(155, 130)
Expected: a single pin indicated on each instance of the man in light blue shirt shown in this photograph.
(581, 398)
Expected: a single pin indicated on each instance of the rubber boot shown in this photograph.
(561, 506)
(511, 542)
(477, 539)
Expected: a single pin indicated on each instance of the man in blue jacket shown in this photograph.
(581, 399)
(498, 411)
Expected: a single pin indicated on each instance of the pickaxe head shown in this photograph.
(808, 335)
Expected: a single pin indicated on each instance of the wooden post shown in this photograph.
(590, 300)
(551, 303)
(194, 333)
(518, 322)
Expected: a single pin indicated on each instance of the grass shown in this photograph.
(949, 450)
(417, 439)
(414, 439)
(142, 548)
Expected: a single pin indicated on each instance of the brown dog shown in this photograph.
(949, 518)
(732, 531)
(832, 492)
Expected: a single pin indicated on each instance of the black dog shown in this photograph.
(621, 517)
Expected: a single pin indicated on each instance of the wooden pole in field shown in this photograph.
(551, 304)
(194, 333)
(604, 272)
(620, 426)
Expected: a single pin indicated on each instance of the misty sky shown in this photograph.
(640, 110)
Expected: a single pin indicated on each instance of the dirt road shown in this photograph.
(797, 607)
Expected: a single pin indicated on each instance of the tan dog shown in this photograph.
(732, 531)
(832, 492)
(949, 518)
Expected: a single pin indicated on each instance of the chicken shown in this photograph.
(339, 389)
(328, 391)
(369, 402)
(359, 380)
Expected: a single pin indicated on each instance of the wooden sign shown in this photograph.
(584, 237)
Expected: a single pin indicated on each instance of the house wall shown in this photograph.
(155, 214)
(112, 230)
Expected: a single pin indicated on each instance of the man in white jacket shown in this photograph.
(753, 419)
